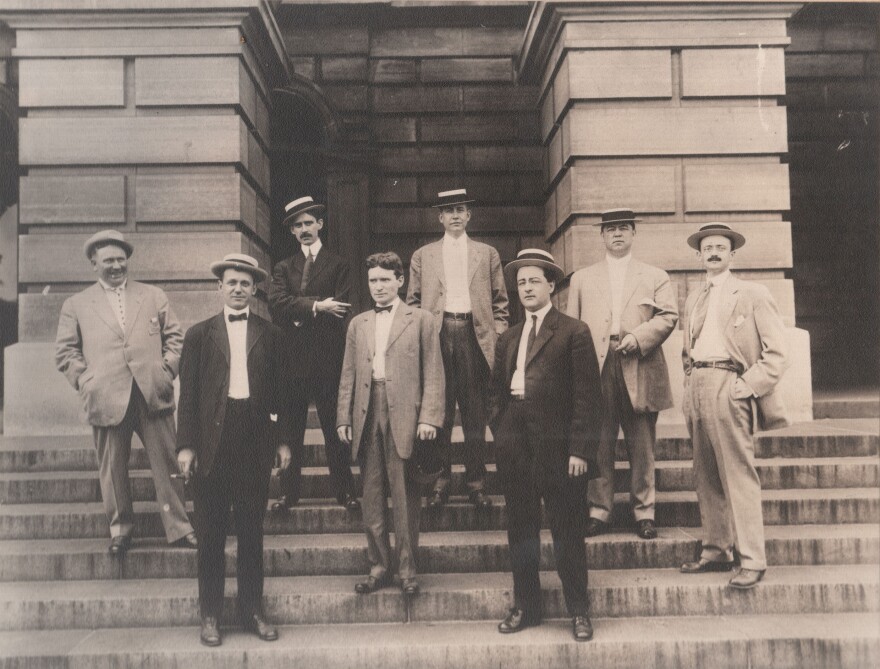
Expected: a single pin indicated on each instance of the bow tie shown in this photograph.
(379, 309)
(238, 317)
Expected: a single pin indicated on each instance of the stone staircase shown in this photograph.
(65, 602)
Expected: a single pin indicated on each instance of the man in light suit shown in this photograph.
(308, 300)
(119, 344)
(461, 282)
(631, 310)
(734, 355)
(545, 413)
(391, 393)
(230, 386)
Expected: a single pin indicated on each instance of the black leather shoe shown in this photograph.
(582, 628)
(350, 502)
(255, 623)
(595, 527)
(284, 503)
(210, 634)
(410, 587)
(119, 545)
(703, 566)
(517, 620)
(189, 541)
(480, 500)
(438, 499)
(646, 529)
(372, 584)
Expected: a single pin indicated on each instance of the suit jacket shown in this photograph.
(414, 378)
(649, 313)
(100, 360)
(315, 342)
(427, 289)
(562, 386)
(204, 388)
(754, 335)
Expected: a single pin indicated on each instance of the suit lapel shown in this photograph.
(368, 333)
(602, 290)
(103, 310)
(219, 336)
(299, 262)
(322, 260)
(401, 321)
(436, 257)
(134, 297)
(630, 283)
(544, 334)
(512, 350)
(728, 301)
(474, 256)
(255, 330)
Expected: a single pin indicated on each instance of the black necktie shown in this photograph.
(238, 317)
(701, 308)
(307, 270)
(530, 343)
(379, 309)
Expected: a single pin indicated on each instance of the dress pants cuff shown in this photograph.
(716, 555)
(600, 514)
(753, 564)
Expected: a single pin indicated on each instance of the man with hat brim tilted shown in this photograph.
(734, 355)
(545, 415)
(230, 385)
(118, 344)
(461, 282)
(308, 300)
(631, 310)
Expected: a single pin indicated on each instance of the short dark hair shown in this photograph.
(386, 260)
(93, 249)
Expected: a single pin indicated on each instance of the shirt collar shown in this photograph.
(107, 286)
(450, 240)
(720, 279)
(611, 260)
(227, 311)
(540, 313)
(394, 306)
(314, 248)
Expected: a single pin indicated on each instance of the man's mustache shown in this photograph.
(711, 258)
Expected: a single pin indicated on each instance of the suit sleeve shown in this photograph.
(763, 376)
(500, 311)
(282, 427)
(69, 357)
(686, 361)
(433, 379)
(285, 305)
(346, 379)
(414, 290)
(573, 305)
(586, 388)
(188, 404)
(655, 330)
(172, 335)
(498, 387)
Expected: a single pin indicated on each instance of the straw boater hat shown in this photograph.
(107, 236)
(297, 207)
(533, 258)
(450, 198)
(617, 216)
(736, 239)
(241, 262)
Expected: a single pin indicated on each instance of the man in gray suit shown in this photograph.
(461, 282)
(390, 393)
(119, 346)
(631, 310)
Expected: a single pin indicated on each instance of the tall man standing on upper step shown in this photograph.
(461, 282)
(734, 355)
(631, 310)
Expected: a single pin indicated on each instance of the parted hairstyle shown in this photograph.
(386, 260)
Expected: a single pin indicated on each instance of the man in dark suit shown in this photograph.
(308, 299)
(230, 386)
(546, 415)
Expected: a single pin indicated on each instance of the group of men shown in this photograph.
(554, 389)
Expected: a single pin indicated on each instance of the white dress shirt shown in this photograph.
(710, 343)
(116, 298)
(238, 373)
(455, 270)
(518, 381)
(383, 329)
(617, 268)
(314, 248)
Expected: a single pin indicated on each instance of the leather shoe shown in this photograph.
(438, 499)
(260, 627)
(517, 620)
(703, 566)
(646, 529)
(210, 634)
(119, 545)
(284, 503)
(746, 579)
(410, 587)
(372, 584)
(189, 541)
(480, 500)
(582, 628)
(350, 502)
(595, 527)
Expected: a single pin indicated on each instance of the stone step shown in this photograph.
(483, 596)
(827, 438)
(847, 403)
(801, 641)
(671, 475)
(439, 552)
(796, 506)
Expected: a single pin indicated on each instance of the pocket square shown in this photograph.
(739, 321)
(649, 303)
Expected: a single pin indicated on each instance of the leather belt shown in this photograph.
(728, 365)
(614, 337)
(457, 317)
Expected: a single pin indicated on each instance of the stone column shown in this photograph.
(153, 123)
(677, 112)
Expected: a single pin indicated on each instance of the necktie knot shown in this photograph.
(380, 310)
(238, 317)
